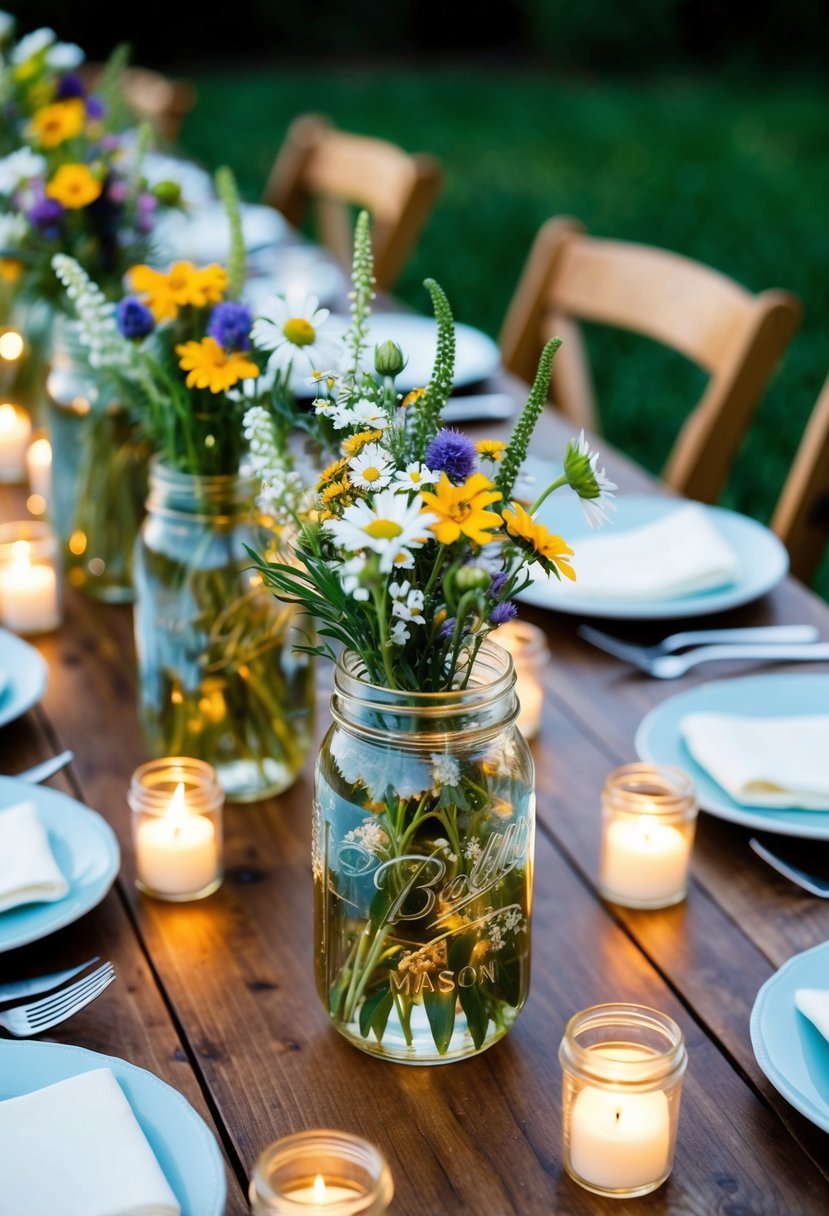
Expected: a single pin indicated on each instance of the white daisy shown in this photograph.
(594, 489)
(20, 166)
(293, 325)
(364, 416)
(6, 26)
(415, 476)
(323, 381)
(407, 603)
(32, 44)
(64, 57)
(388, 526)
(350, 572)
(371, 468)
(399, 634)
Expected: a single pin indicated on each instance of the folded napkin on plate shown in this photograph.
(680, 554)
(813, 1003)
(28, 870)
(76, 1149)
(777, 762)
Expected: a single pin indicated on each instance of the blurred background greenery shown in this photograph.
(683, 123)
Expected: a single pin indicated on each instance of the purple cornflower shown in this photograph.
(446, 630)
(95, 108)
(69, 86)
(451, 453)
(499, 582)
(118, 191)
(134, 318)
(503, 612)
(45, 215)
(230, 325)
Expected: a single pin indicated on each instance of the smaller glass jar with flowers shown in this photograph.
(221, 677)
(424, 807)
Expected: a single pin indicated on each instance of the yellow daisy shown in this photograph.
(336, 491)
(461, 509)
(209, 366)
(153, 286)
(490, 449)
(74, 186)
(55, 123)
(552, 553)
(352, 445)
(189, 284)
(332, 471)
(411, 397)
(10, 270)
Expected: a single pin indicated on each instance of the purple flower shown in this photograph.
(230, 325)
(45, 215)
(69, 85)
(134, 318)
(503, 612)
(95, 108)
(446, 630)
(452, 453)
(499, 582)
(117, 191)
(110, 143)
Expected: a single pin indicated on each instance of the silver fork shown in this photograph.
(669, 666)
(37, 1016)
(14, 990)
(697, 637)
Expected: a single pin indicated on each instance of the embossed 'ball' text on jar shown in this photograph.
(423, 845)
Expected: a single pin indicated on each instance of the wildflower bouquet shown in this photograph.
(219, 678)
(413, 551)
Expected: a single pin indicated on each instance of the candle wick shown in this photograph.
(618, 1113)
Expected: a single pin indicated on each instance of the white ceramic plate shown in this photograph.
(476, 356)
(778, 694)
(791, 1051)
(25, 672)
(763, 560)
(184, 1145)
(302, 267)
(203, 235)
(85, 849)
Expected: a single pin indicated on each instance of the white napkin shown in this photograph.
(777, 762)
(680, 554)
(813, 1003)
(28, 870)
(76, 1149)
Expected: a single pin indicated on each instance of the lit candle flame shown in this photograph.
(318, 1192)
(177, 810)
(21, 559)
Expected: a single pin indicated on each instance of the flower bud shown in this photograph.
(388, 359)
(168, 193)
(472, 578)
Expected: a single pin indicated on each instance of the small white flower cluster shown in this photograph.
(445, 769)
(281, 491)
(18, 168)
(472, 849)
(370, 835)
(98, 327)
(407, 609)
(60, 56)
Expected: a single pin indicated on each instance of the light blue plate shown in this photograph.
(762, 557)
(184, 1145)
(791, 1051)
(85, 849)
(26, 672)
(779, 694)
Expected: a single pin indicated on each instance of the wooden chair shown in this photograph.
(153, 97)
(738, 338)
(334, 173)
(801, 517)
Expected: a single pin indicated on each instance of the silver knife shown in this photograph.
(16, 989)
(46, 769)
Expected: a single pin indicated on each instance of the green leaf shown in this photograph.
(509, 979)
(477, 1018)
(375, 1012)
(440, 1010)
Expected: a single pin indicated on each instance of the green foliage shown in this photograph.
(518, 445)
(427, 409)
(228, 193)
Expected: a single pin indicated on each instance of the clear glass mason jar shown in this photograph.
(423, 844)
(622, 1071)
(218, 675)
(321, 1170)
(99, 472)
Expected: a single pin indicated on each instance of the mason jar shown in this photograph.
(321, 1170)
(423, 842)
(99, 472)
(219, 678)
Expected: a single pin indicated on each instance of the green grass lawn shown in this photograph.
(733, 174)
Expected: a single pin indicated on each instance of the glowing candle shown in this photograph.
(11, 345)
(29, 601)
(176, 854)
(39, 467)
(15, 433)
(321, 1194)
(619, 1141)
(329, 1172)
(528, 647)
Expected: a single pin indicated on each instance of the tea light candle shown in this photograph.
(649, 818)
(528, 647)
(39, 467)
(622, 1076)
(332, 1173)
(29, 599)
(177, 837)
(15, 433)
(11, 345)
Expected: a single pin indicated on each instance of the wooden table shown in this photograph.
(218, 997)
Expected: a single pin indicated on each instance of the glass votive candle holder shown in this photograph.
(176, 805)
(332, 1173)
(15, 433)
(649, 815)
(622, 1070)
(39, 473)
(530, 654)
(31, 599)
